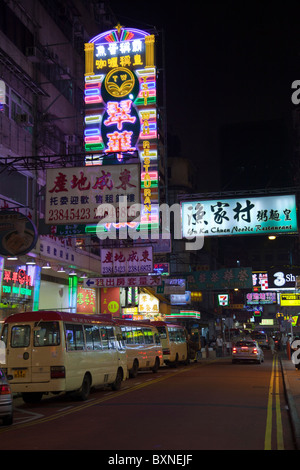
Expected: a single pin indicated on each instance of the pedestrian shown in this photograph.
(219, 344)
(272, 344)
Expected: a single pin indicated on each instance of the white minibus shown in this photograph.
(143, 346)
(174, 342)
(48, 351)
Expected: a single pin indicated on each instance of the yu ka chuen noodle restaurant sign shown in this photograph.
(120, 106)
(242, 216)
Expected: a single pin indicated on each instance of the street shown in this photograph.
(210, 405)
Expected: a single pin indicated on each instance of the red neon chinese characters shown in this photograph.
(119, 113)
(120, 142)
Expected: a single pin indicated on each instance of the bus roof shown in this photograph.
(48, 315)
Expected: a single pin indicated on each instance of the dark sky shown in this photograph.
(226, 62)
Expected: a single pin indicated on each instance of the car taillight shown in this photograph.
(166, 351)
(57, 372)
(254, 351)
(5, 389)
(233, 350)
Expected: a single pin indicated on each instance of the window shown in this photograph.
(156, 338)
(47, 334)
(74, 337)
(162, 332)
(177, 334)
(104, 337)
(148, 334)
(111, 337)
(127, 334)
(138, 335)
(92, 337)
(20, 336)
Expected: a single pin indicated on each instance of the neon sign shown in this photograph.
(120, 103)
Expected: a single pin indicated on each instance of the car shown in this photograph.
(262, 340)
(6, 400)
(247, 350)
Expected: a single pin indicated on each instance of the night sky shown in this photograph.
(227, 63)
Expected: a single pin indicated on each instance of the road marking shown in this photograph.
(274, 391)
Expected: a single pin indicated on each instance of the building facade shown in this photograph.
(42, 70)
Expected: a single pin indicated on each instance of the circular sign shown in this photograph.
(18, 235)
(120, 83)
(113, 306)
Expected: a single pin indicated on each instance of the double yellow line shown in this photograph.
(274, 391)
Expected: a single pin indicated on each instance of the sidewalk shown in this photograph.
(291, 379)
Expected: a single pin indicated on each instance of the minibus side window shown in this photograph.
(74, 337)
(20, 336)
(138, 335)
(104, 337)
(148, 333)
(129, 335)
(47, 334)
(92, 336)
(111, 337)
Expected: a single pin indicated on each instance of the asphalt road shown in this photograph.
(212, 405)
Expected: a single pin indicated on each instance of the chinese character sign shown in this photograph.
(243, 216)
(74, 194)
(110, 301)
(120, 103)
(86, 300)
(229, 278)
(135, 260)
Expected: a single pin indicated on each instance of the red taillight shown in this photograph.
(254, 351)
(233, 350)
(5, 389)
(166, 351)
(58, 372)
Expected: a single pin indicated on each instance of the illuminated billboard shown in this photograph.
(120, 106)
(241, 216)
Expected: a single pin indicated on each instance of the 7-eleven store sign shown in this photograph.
(223, 300)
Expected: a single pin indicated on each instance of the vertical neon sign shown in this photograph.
(120, 105)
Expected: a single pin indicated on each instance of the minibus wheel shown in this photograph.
(134, 371)
(116, 385)
(84, 392)
(156, 366)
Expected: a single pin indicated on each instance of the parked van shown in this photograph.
(52, 352)
(174, 342)
(143, 346)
